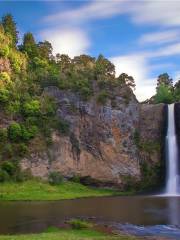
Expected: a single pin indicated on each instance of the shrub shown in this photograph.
(79, 224)
(4, 176)
(9, 167)
(3, 134)
(8, 150)
(102, 97)
(14, 131)
(62, 126)
(28, 133)
(31, 108)
(5, 78)
(55, 178)
(14, 107)
(21, 149)
(76, 179)
(4, 95)
(4, 50)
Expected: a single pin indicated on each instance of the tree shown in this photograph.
(126, 79)
(10, 28)
(177, 91)
(104, 67)
(164, 94)
(29, 45)
(83, 61)
(165, 80)
(45, 50)
(64, 61)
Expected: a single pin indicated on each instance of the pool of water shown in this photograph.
(130, 213)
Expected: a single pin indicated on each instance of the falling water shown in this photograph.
(172, 156)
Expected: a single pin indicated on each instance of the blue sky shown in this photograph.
(141, 37)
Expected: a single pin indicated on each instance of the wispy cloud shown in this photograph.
(159, 12)
(160, 37)
(95, 9)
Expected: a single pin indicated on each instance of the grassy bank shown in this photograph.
(68, 235)
(36, 190)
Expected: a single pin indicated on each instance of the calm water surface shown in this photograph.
(20, 217)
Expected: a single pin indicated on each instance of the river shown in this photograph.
(153, 212)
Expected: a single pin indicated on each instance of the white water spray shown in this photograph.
(171, 155)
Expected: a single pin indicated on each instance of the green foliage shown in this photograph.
(55, 178)
(76, 178)
(164, 79)
(80, 224)
(29, 45)
(10, 28)
(102, 97)
(4, 176)
(62, 126)
(4, 95)
(4, 50)
(4, 78)
(31, 108)
(28, 132)
(3, 135)
(9, 167)
(14, 131)
(151, 175)
(164, 94)
(127, 80)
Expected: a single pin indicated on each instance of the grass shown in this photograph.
(37, 190)
(68, 235)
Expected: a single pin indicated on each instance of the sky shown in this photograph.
(141, 37)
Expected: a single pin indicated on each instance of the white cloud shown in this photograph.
(160, 37)
(136, 66)
(67, 41)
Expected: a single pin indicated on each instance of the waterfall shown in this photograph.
(171, 155)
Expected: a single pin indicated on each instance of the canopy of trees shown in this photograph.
(165, 91)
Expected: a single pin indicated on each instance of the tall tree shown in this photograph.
(45, 50)
(104, 67)
(29, 45)
(126, 79)
(164, 79)
(10, 28)
(63, 61)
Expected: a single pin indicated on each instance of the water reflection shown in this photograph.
(174, 211)
(139, 210)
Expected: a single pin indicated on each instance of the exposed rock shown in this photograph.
(101, 143)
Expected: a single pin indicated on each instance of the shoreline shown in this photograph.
(34, 190)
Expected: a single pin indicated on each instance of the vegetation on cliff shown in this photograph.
(27, 112)
(166, 92)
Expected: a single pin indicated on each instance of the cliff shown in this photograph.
(106, 144)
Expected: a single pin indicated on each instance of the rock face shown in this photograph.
(152, 126)
(101, 143)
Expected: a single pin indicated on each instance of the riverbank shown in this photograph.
(85, 234)
(38, 190)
